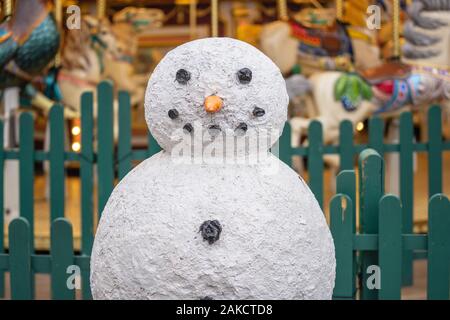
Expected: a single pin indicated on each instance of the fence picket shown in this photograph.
(376, 134)
(86, 176)
(371, 188)
(56, 155)
(438, 248)
(153, 146)
(124, 148)
(390, 247)
(341, 224)
(346, 148)
(346, 184)
(62, 257)
(406, 190)
(105, 158)
(2, 211)
(20, 247)
(26, 176)
(434, 151)
(285, 145)
(315, 160)
(26, 171)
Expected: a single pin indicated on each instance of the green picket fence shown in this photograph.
(23, 262)
(381, 240)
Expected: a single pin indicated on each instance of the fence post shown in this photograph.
(346, 145)
(390, 247)
(341, 224)
(124, 149)
(153, 146)
(26, 173)
(20, 248)
(406, 190)
(62, 257)
(434, 151)
(86, 176)
(56, 156)
(2, 211)
(371, 188)
(438, 248)
(105, 143)
(285, 146)
(376, 134)
(315, 160)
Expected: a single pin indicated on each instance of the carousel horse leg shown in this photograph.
(11, 105)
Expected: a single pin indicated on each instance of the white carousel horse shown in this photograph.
(83, 56)
(127, 25)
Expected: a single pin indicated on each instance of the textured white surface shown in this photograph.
(213, 64)
(275, 243)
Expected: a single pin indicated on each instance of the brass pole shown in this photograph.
(339, 9)
(282, 10)
(59, 20)
(193, 19)
(396, 27)
(101, 9)
(214, 18)
(7, 8)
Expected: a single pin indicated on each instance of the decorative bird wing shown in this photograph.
(8, 47)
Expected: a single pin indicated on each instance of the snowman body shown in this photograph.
(213, 230)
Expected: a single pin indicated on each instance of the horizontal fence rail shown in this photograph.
(381, 241)
(385, 220)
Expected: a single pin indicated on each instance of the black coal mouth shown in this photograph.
(215, 129)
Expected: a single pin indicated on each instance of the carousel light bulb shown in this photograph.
(76, 130)
(76, 146)
(360, 126)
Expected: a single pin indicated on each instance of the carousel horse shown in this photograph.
(83, 58)
(127, 25)
(316, 41)
(386, 90)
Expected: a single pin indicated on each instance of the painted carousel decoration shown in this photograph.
(29, 41)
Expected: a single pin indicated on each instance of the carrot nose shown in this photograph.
(213, 104)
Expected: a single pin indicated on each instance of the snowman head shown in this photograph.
(215, 85)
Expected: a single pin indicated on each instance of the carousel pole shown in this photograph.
(396, 27)
(7, 8)
(59, 20)
(193, 19)
(339, 9)
(101, 9)
(282, 10)
(214, 18)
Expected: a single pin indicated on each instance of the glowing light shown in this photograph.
(76, 130)
(76, 146)
(360, 126)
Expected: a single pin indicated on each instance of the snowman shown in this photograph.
(247, 227)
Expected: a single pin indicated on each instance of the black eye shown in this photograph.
(258, 112)
(183, 76)
(244, 75)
